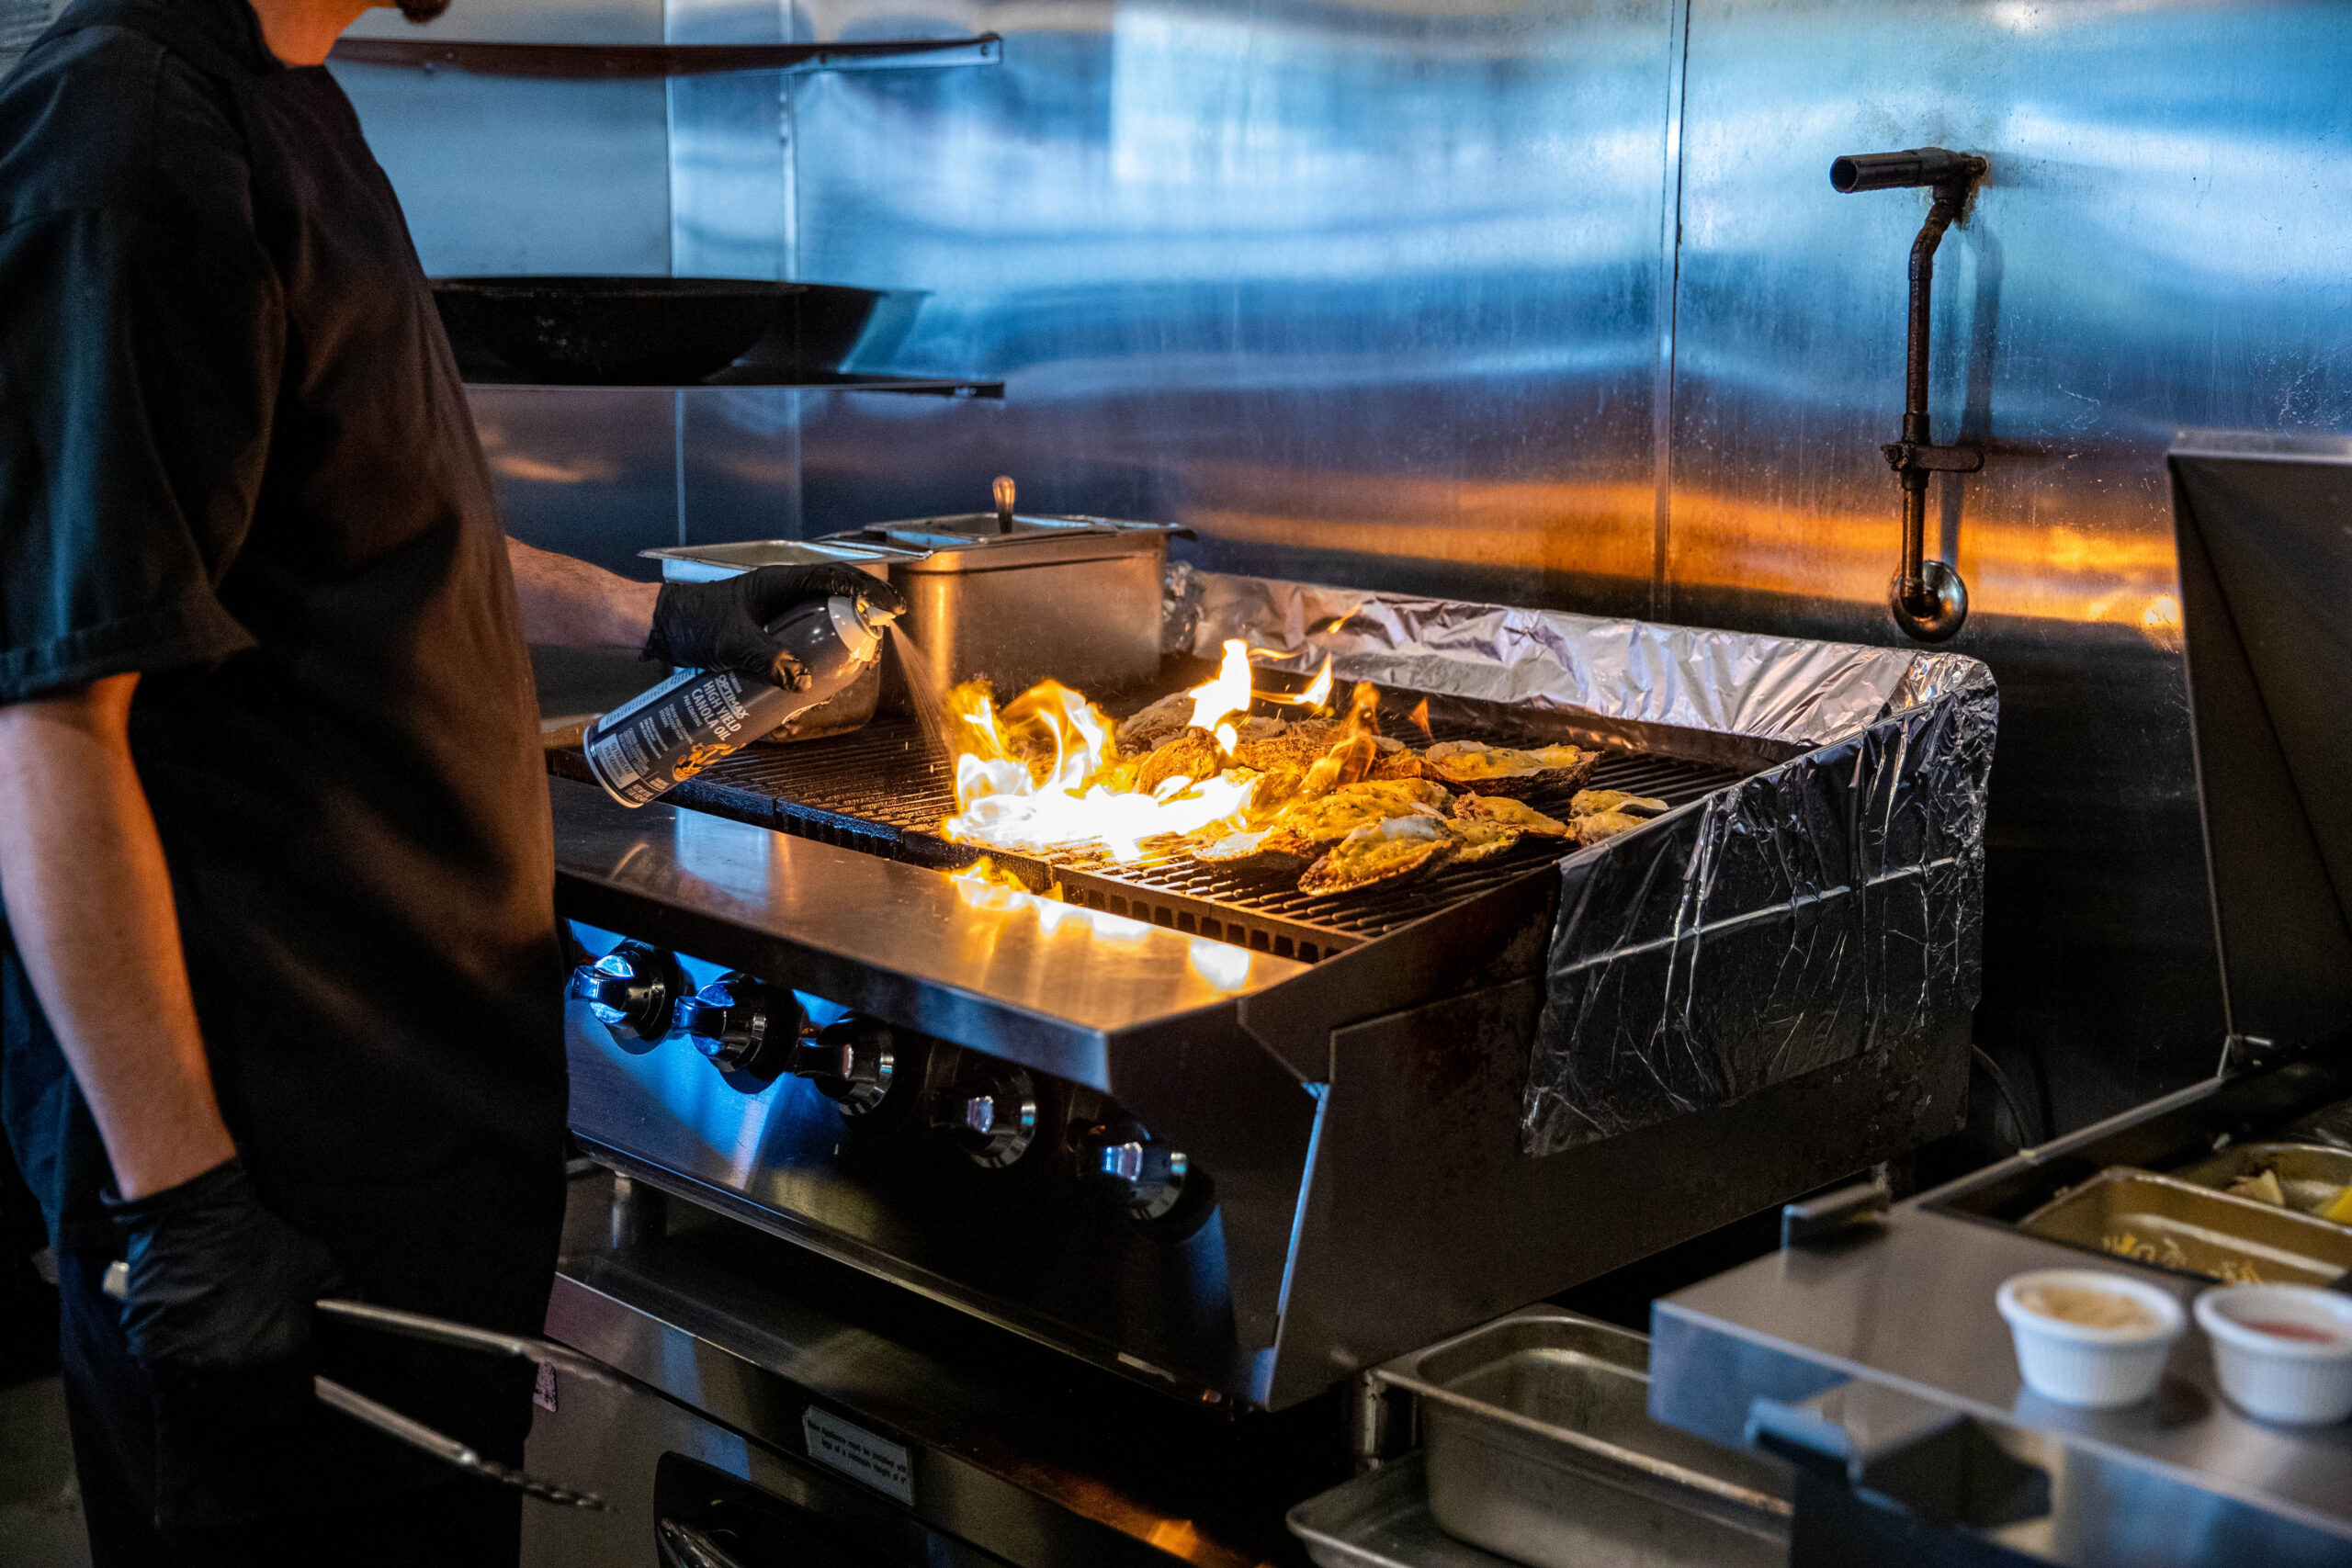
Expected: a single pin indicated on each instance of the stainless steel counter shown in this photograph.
(1879, 1343)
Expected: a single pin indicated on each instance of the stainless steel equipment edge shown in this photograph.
(1048, 985)
(2171, 1485)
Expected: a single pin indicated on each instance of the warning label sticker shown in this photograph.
(858, 1453)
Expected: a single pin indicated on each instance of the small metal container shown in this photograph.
(1016, 600)
(708, 563)
(2310, 1175)
(2176, 1225)
(1381, 1519)
(1541, 1448)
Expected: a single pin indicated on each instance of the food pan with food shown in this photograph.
(2194, 1230)
(2310, 1178)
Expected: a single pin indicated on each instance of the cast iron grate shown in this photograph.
(881, 791)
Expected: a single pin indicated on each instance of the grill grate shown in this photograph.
(881, 791)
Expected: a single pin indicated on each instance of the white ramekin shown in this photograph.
(2075, 1364)
(2281, 1380)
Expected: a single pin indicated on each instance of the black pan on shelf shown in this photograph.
(656, 332)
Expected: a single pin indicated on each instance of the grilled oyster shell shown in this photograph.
(1190, 752)
(1592, 801)
(1482, 840)
(1506, 811)
(1159, 722)
(1335, 816)
(1504, 770)
(1382, 851)
(1592, 827)
(1263, 848)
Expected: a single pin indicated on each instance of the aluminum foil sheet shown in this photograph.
(1810, 913)
(1736, 682)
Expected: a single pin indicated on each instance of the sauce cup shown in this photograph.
(2284, 1352)
(2086, 1336)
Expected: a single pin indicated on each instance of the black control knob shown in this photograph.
(854, 1063)
(744, 1025)
(991, 1113)
(633, 990)
(1152, 1184)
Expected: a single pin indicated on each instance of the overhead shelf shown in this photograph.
(836, 381)
(624, 61)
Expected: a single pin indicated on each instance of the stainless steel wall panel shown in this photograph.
(1350, 288)
(589, 470)
(2160, 244)
(506, 175)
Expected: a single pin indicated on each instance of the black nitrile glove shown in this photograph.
(217, 1313)
(723, 625)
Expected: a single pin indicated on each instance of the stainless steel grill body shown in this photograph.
(1396, 1096)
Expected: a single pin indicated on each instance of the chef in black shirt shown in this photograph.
(279, 976)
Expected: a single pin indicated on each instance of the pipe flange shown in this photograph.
(1936, 615)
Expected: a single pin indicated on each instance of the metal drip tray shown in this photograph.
(1541, 1447)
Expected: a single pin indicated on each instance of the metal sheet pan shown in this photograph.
(2176, 1225)
(1541, 1447)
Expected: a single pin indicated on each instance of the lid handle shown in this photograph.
(1003, 490)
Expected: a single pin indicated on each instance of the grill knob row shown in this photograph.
(754, 1032)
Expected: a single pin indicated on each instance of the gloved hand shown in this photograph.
(217, 1313)
(723, 625)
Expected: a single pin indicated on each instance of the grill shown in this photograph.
(1409, 1099)
(881, 790)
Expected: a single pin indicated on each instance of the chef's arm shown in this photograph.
(90, 906)
(569, 604)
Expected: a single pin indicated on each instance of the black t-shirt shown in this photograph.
(235, 455)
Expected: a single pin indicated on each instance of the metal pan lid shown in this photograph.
(704, 563)
(980, 540)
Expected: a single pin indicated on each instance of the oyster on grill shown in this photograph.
(1482, 840)
(1593, 827)
(1504, 770)
(1385, 850)
(1345, 809)
(1190, 752)
(1400, 764)
(1504, 811)
(1263, 848)
(1588, 801)
(1158, 723)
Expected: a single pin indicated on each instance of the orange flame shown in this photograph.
(1230, 693)
(1045, 774)
(1420, 717)
(1317, 695)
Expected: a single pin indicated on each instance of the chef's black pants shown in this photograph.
(353, 1498)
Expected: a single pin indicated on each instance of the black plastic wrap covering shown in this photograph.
(1827, 905)
(1793, 920)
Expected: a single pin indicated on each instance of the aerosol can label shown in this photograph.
(641, 750)
(669, 733)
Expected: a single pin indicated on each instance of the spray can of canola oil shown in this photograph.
(661, 738)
